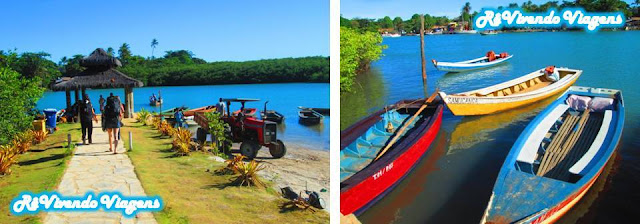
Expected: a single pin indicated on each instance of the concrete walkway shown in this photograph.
(94, 168)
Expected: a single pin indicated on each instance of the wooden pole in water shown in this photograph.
(424, 70)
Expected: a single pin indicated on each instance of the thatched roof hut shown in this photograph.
(100, 73)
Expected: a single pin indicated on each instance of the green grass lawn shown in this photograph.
(39, 169)
(193, 195)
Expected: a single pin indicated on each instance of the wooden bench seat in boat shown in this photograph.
(568, 144)
(531, 146)
(578, 167)
(361, 152)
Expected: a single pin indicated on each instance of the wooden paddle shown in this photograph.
(404, 127)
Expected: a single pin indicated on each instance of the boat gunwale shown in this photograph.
(562, 83)
(472, 62)
(395, 151)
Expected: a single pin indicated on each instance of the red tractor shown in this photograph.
(248, 130)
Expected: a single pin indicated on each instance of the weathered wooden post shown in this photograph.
(424, 70)
(130, 141)
(68, 140)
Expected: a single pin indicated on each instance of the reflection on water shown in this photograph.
(580, 211)
(452, 79)
(406, 193)
(474, 129)
(368, 95)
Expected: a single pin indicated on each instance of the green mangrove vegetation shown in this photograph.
(175, 68)
(358, 48)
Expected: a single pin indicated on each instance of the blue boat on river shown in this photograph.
(558, 157)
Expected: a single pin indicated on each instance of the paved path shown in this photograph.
(94, 168)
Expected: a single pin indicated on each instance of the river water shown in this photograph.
(453, 182)
(284, 98)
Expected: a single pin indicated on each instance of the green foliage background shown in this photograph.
(358, 48)
(18, 96)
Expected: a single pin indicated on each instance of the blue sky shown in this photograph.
(212, 30)
(406, 8)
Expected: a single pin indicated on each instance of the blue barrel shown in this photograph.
(50, 114)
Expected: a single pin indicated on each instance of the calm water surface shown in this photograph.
(453, 182)
(284, 98)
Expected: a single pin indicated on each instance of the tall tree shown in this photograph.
(110, 51)
(154, 44)
(398, 24)
(124, 53)
(466, 9)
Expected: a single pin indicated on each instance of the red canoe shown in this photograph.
(364, 180)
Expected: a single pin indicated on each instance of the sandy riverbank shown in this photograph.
(299, 168)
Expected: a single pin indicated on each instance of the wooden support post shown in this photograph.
(76, 118)
(128, 109)
(424, 70)
(68, 140)
(84, 91)
(68, 95)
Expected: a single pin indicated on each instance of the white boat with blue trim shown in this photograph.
(491, 59)
(558, 157)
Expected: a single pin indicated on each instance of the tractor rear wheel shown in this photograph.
(277, 149)
(249, 149)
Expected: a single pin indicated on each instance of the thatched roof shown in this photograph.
(99, 74)
(100, 58)
(96, 79)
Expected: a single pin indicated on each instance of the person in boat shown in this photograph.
(87, 114)
(179, 116)
(552, 73)
(153, 97)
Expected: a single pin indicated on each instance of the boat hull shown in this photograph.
(467, 65)
(469, 105)
(370, 185)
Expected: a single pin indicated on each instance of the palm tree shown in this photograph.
(154, 43)
(466, 9)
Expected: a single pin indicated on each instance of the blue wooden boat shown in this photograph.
(558, 157)
(473, 64)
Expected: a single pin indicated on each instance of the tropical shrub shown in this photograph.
(182, 141)
(39, 136)
(143, 116)
(231, 163)
(19, 96)
(155, 120)
(8, 154)
(23, 141)
(217, 129)
(358, 48)
(247, 174)
(165, 129)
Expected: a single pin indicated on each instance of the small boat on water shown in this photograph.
(364, 180)
(323, 111)
(271, 115)
(558, 157)
(192, 112)
(248, 112)
(309, 117)
(391, 35)
(489, 32)
(156, 102)
(465, 31)
(514, 93)
(491, 59)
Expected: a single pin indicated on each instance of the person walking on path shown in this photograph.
(102, 101)
(112, 116)
(87, 113)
